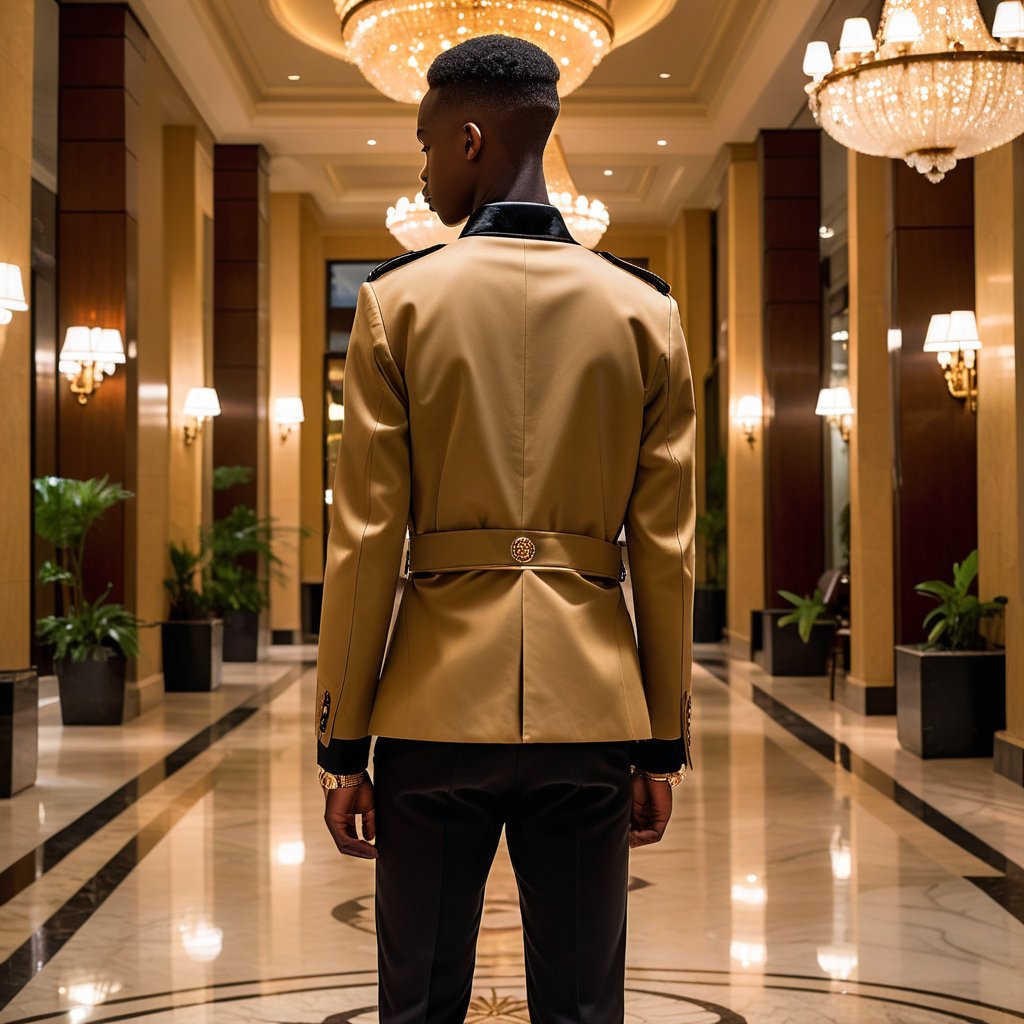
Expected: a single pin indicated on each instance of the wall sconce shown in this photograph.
(954, 339)
(835, 405)
(335, 412)
(87, 356)
(12, 294)
(201, 404)
(288, 412)
(749, 413)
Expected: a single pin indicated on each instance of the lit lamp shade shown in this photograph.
(288, 411)
(101, 346)
(202, 403)
(963, 330)
(857, 36)
(817, 59)
(834, 402)
(1009, 21)
(12, 293)
(335, 412)
(902, 27)
(937, 338)
(749, 407)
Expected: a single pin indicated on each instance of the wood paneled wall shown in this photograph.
(240, 303)
(102, 61)
(793, 501)
(931, 241)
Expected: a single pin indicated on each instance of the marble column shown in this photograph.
(744, 368)
(869, 687)
(17, 681)
(102, 72)
(794, 515)
(285, 381)
(931, 241)
(999, 282)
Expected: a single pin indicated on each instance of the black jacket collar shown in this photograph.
(518, 220)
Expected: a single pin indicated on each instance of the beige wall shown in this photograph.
(16, 28)
(285, 372)
(175, 191)
(999, 282)
(744, 368)
(871, 530)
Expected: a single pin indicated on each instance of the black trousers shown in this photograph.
(440, 808)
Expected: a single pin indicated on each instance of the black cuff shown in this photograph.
(344, 757)
(656, 755)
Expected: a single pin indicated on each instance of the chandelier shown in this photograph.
(416, 226)
(931, 88)
(393, 42)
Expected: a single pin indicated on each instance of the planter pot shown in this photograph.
(19, 730)
(241, 636)
(949, 703)
(783, 653)
(91, 692)
(193, 653)
(708, 615)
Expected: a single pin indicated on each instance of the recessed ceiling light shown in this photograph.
(608, 172)
(371, 142)
(294, 78)
(664, 74)
(662, 142)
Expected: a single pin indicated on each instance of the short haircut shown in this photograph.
(509, 75)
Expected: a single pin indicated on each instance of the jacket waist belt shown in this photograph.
(464, 550)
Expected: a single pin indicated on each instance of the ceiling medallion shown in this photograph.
(393, 42)
(930, 88)
(416, 226)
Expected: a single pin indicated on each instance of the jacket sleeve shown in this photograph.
(369, 515)
(660, 540)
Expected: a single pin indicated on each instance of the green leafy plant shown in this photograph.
(807, 611)
(711, 525)
(65, 511)
(957, 617)
(235, 543)
(188, 603)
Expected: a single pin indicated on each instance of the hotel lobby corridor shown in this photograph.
(809, 873)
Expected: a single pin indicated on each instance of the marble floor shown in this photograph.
(177, 869)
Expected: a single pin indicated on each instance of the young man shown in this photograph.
(515, 399)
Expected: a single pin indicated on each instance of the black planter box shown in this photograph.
(783, 653)
(193, 654)
(91, 692)
(949, 703)
(708, 615)
(19, 730)
(241, 636)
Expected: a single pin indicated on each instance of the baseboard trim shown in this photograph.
(865, 698)
(1008, 757)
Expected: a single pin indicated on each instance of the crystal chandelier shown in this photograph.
(393, 42)
(416, 226)
(931, 88)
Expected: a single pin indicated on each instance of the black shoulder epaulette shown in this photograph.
(400, 261)
(645, 275)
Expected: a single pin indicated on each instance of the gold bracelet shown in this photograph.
(672, 778)
(331, 781)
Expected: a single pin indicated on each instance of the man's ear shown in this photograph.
(474, 140)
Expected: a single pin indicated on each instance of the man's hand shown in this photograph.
(343, 804)
(652, 807)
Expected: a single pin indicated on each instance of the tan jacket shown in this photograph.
(515, 380)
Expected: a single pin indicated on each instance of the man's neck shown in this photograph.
(526, 186)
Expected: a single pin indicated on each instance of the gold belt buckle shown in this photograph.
(523, 549)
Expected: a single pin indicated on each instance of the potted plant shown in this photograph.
(951, 690)
(237, 544)
(91, 639)
(799, 652)
(192, 639)
(709, 595)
